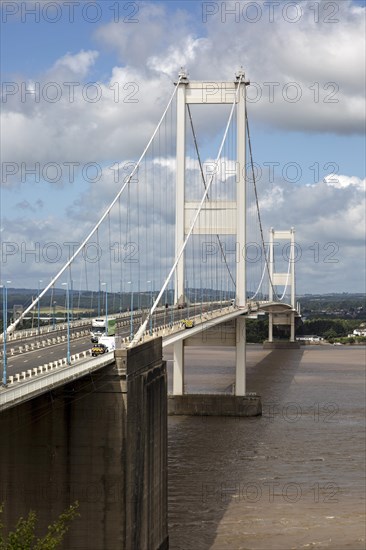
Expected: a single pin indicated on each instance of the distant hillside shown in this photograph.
(345, 305)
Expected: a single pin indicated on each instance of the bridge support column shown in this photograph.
(292, 333)
(178, 368)
(241, 285)
(270, 327)
(180, 192)
(240, 372)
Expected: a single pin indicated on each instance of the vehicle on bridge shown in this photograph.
(100, 327)
(188, 323)
(98, 349)
(108, 341)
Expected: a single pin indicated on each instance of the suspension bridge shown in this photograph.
(180, 232)
(178, 256)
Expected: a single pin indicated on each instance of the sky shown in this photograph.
(85, 83)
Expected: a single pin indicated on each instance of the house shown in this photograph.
(309, 338)
(359, 332)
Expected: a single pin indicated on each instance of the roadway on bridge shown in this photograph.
(31, 359)
(57, 351)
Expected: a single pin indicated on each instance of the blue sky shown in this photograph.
(318, 136)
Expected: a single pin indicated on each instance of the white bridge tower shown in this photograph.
(232, 214)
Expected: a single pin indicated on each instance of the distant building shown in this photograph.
(309, 338)
(359, 332)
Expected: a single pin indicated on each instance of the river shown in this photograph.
(290, 479)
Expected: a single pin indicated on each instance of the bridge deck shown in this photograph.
(27, 389)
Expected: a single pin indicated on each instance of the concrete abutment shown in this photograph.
(100, 440)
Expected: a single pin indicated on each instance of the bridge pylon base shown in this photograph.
(214, 405)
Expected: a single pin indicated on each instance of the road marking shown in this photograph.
(25, 361)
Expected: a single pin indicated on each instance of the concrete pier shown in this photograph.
(100, 440)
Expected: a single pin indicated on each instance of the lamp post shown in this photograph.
(212, 295)
(201, 296)
(5, 326)
(99, 298)
(120, 296)
(72, 300)
(106, 307)
(68, 322)
(187, 299)
(150, 320)
(172, 307)
(131, 311)
(39, 306)
(54, 303)
(152, 301)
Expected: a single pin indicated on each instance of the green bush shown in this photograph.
(24, 537)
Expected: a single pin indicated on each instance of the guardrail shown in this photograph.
(44, 343)
(27, 333)
(46, 367)
(52, 340)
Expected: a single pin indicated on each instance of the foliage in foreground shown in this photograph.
(24, 537)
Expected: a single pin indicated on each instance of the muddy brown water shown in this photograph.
(291, 479)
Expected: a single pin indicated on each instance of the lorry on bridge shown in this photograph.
(102, 327)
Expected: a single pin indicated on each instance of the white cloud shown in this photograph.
(78, 64)
(150, 53)
(330, 229)
(183, 55)
(312, 55)
(272, 199)
(76, 127)
(341, 182)
(329, 221)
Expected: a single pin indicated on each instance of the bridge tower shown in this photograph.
(233, 214)
(285, 279)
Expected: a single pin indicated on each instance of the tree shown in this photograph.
(330, 334)
(24, 537)
(257, 330)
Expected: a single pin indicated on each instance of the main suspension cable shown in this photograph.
(91, 233)
(257, 205)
